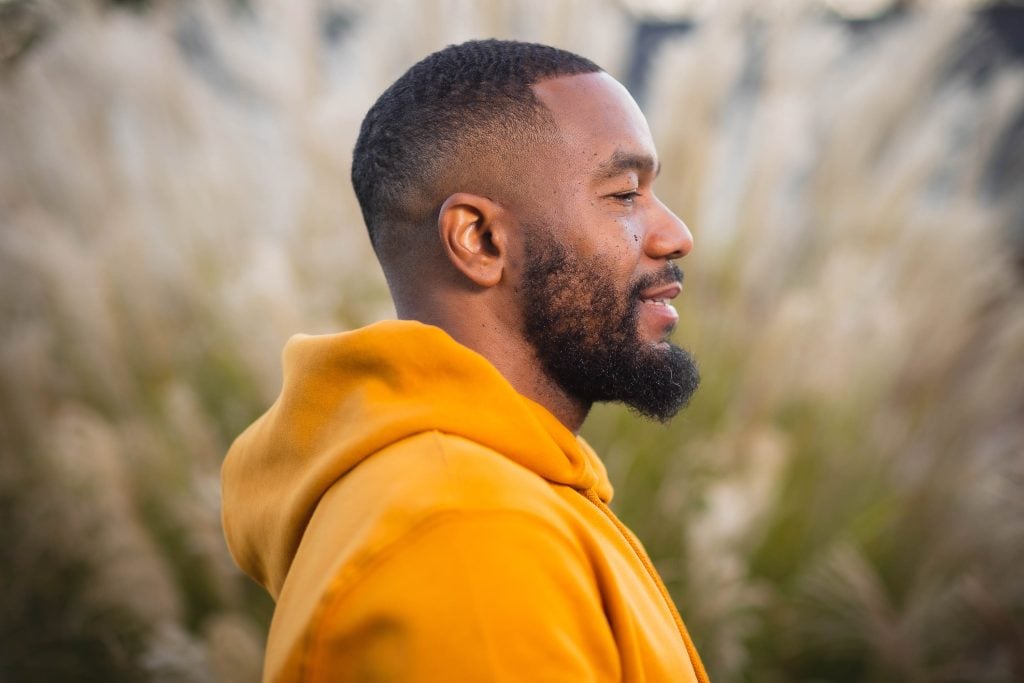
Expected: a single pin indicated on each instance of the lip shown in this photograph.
(662, 294)
(657, 314)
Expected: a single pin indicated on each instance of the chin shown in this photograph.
(663, 341)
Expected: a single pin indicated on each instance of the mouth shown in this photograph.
(660, 296)
(657, 315)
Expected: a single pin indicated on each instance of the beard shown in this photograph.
(586, 334)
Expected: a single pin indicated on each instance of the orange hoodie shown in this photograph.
(417, 519)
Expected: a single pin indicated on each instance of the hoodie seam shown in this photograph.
(342, 585)
(640, 554)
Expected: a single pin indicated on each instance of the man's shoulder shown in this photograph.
(434, 472)
(413, 483)
(431, 500)
(431, 478)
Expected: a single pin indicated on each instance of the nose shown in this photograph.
(667, 237)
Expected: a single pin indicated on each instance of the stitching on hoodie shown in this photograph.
(691, 650)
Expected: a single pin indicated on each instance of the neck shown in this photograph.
(570, 411)
(512, 355)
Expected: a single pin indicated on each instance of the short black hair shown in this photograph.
(426, 128)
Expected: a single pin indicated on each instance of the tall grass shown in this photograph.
(842, 501)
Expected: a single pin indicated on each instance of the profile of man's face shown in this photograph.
(598, 255)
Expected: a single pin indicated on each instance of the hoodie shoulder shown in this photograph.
(430, 473)
(390, 497)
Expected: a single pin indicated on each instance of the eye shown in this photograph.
(626, 197)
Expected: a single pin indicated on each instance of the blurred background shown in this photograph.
(844, 500)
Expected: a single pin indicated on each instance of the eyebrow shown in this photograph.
(622, 161)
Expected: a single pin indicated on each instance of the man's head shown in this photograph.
(508, 192)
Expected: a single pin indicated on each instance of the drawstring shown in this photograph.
(698, 666)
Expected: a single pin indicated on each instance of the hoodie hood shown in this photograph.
(345, 397)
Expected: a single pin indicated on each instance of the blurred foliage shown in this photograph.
(843, 500)
(45, 608)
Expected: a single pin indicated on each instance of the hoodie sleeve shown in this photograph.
(485, 596)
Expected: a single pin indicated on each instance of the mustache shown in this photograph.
(669, 274)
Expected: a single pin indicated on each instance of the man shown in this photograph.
(417, 500)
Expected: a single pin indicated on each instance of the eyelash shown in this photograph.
(626, 197)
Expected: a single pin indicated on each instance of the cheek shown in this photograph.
(588, 228)
(619, 263)
(625, 245)
(632, 235)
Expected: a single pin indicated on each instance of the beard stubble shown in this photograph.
(586, 336)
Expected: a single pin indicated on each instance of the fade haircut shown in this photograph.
(462, 113)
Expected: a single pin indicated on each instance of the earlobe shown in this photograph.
(473, 237)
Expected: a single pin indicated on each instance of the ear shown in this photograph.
(474, 237)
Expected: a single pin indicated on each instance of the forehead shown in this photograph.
(597, 120)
